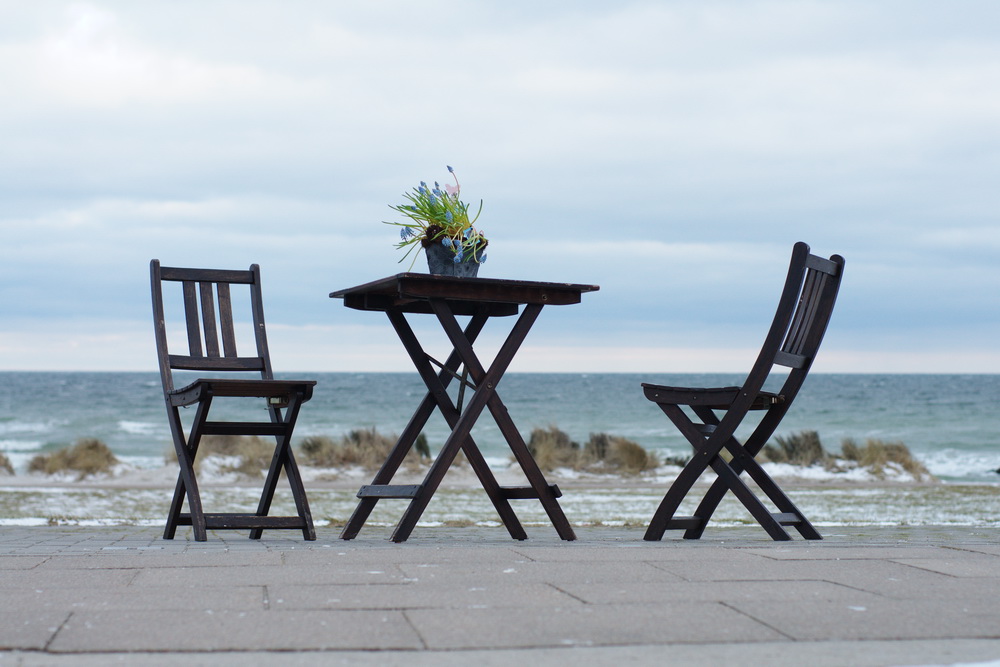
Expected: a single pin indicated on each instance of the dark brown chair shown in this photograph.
(799, 325)
(207, 297)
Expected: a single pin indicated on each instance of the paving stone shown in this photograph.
(877, 619)
(587, 626)
(135, 598)
(713, 591)
(528, 596)
(234, 630)
(29, 629)
(262, 575)
(984, 566)
(538, 571)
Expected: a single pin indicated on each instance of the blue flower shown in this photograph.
(406, 233)
(450, 170)
(482, 258)
(458, 257)
(448, 216)
(446, 242)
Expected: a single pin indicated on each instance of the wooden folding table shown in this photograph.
(447, 298)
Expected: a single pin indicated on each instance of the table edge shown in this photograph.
(400, 278)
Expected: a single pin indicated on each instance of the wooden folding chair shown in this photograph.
(800, 322)
(207, 297)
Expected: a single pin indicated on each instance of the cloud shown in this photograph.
(671, 153)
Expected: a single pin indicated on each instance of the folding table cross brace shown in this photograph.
(447, 298)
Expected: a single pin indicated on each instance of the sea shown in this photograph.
(950, 423)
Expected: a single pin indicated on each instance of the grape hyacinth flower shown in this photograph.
(436, 214)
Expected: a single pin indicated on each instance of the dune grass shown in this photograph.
(363, 447)
(877, 455)
(553, 448)
(87, 456)
(5, 465)
(802, 449)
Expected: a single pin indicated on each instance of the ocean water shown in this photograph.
(951, 423)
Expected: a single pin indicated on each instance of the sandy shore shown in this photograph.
(140, 497)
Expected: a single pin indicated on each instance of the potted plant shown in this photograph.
(438, 221)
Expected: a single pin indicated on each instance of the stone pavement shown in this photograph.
(464, 595)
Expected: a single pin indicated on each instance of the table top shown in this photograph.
(410, 292)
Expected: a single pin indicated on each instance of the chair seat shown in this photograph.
(277, 391)
(716, 398)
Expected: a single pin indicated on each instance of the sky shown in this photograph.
(670, 152)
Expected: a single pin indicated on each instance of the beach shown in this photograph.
(141, 497)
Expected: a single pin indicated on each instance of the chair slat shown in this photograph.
(226, 321)
(191, 317)
(805, 314)
(208, 320)
(222, 364)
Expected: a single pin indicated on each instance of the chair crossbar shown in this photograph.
(389, 491)
(216, 364)
(175, 274)
(790, 360)
(527, 492)
(244, 428)
(827, 266)
(237, 521)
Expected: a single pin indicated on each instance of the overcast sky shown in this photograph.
(670, 152)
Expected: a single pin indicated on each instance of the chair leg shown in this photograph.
(283, 459)
(187, 484)
(750, 501)
(675, 495)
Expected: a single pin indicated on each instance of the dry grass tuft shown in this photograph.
(622, 454)
(254, 452)
(5, 466)
(877, 454)
(364, 447)
(88, 456)
(552, 448)
(802, 449)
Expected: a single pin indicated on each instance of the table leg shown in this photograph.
(436, 384)
(437, 397)
(545, 493)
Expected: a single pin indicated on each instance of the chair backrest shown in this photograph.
(800, 321)
(208, 316)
